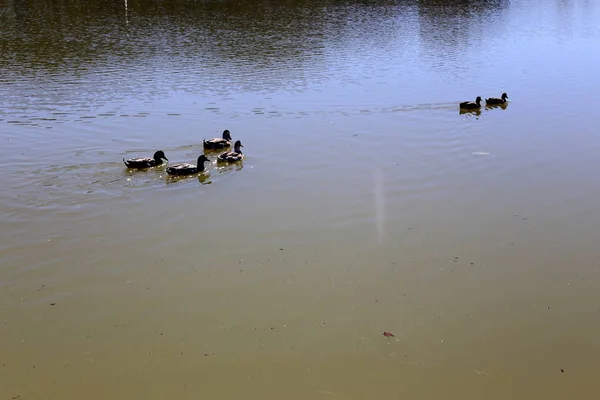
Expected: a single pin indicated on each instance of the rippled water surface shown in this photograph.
(366, 202)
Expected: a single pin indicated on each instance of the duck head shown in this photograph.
(159, 155)
(237, 145)
(226, 135)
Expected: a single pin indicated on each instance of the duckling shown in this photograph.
(232, 156)
(469, 105)
(218, 143)
(188, 169)
(495, 100)
(146, 162)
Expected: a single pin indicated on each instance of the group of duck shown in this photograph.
(224, 142)
(492, 101)
(211, 145)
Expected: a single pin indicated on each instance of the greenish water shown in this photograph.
(366, 202)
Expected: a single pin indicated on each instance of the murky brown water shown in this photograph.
(366, 204)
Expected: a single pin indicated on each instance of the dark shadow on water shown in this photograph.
(225, 167)
(203, 178)
(135, 171)
(493, 106)
(215, 152)
(476, 112)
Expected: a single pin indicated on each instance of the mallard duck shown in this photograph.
(469, 105)
(218, 143)
(146, 162)
(232, 156)
(495, 100)
(188, 169)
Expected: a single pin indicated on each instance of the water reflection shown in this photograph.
(476, 112)
(98, 58)
(448, 29)
(493, 106)
(203, 177)
(126, 14)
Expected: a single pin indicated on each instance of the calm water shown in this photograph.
(367, 202)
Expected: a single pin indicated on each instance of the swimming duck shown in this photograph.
(469, 105)
(188, 169)
(232, 156)
(218, 143)
(146, 162)
(495, 100)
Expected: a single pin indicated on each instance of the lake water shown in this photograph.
(366, 203)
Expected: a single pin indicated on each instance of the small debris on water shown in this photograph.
(52, 304)
(562, 370)
(388, 334)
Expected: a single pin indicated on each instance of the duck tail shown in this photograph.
(125, 161)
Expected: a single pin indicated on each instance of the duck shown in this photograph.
(232, 156)
(469, 105)
(495, 100)
(188, 169)
(146, 162)
(218, 143)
